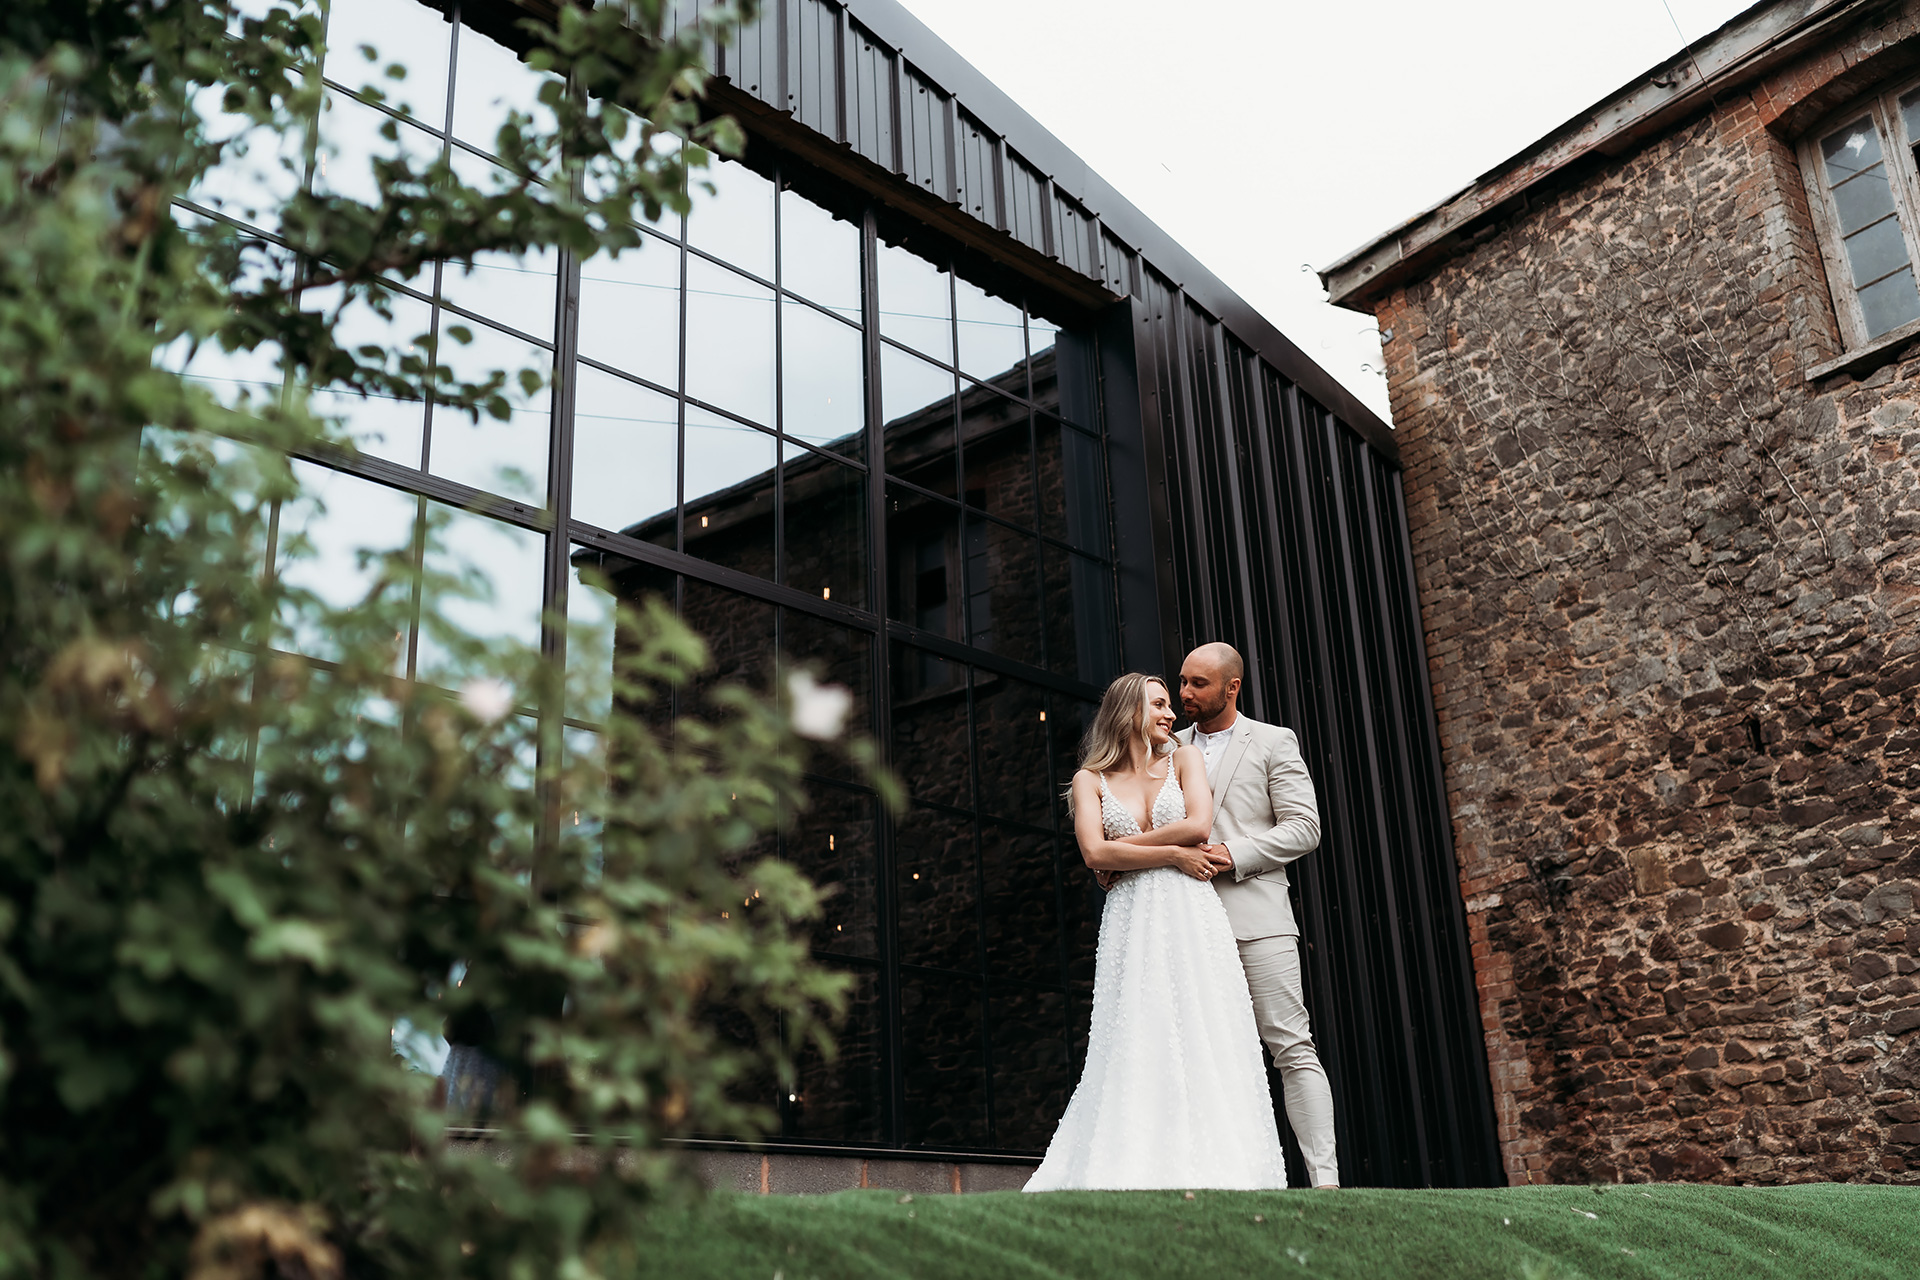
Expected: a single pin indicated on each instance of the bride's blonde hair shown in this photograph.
(1120, 723)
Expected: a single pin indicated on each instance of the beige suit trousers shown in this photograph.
(1273, 979)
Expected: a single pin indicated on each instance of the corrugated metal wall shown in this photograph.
(1276, 526)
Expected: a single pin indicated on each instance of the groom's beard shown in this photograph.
(1200, 712)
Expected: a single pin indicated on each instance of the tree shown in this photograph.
(227, 873)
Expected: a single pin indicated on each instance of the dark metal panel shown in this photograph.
(979, 171)
(872, 97)
(813, 77)
(1118, 266)
(752, 61)
(926, 134)
(1026, 203)
(1133, 470)
(1073, 235)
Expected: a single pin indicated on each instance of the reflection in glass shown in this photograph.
(517, 290)
(993, 339)
(1084, 640)
(507, 457)
(944, 1065)
(839, 1101)
(1023, 911)
(823, 381)
(729, 488)
(259, 170)
(937, 884)
(501, 569)
(352, 137)
(411, 34)
(916, 306)
(825, 512)
(832, 843)
(916, 401)
(492, 81)
(739, 633)
(930, 737)
(634, 583)
(335, 521)
(381, 426)
(998, 455)
(923, 555)
(733, 222)
(626, 443)
(1010, 744)
(729, 341)
(1073, 487)
(819, 256)
(590, 612)
(630, 311)
(837, 655)
(1032, 1072)
(1003, 583)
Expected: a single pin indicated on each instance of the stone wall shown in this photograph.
(1671, 594)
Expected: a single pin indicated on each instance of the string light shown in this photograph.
(826, 593)
(829, 842)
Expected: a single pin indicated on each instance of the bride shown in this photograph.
(1174, 1093)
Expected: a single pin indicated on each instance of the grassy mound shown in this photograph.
(1825, 1231)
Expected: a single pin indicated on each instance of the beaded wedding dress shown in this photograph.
(1174, 1093)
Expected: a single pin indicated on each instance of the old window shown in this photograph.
(1863, 180)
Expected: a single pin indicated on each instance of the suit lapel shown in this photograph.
(1222, 776)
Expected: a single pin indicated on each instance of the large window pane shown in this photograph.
(1073, 487)
(729, 341)
(916, 400)
(630, 311)
(501, 569)
(730, 479)
(520, 291)
(923, 561)
(739, 633)
(993, 339)
(1003, 590)
(832, 843)
(413, 35)
(997, 452)
(930, 739)
(825, 513)
(823, 381)
(840, 1101)
(916, 307)
(1890, 303)
(944, 1067)
(1010, 744)
(330, 542)
(492, 81)
(839, 656)
(1083, 639)
(734, 221)
(937, 884)
(507, 457)
(626, 448)
(260, 169)
(819, 256)
(1023, 909)
(590, 614)
(352, 136)
(382, 426)
(1032, 1074)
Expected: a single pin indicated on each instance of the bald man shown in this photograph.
(1264, 817)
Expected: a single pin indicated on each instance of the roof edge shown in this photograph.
(1745, 47)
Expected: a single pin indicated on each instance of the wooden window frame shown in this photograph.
(1882, 108)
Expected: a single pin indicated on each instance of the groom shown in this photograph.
(1264, 817)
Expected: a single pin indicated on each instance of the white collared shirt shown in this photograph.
(1212, 745)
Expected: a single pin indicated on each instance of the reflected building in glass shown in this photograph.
(914, 397)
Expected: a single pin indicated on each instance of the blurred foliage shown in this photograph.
(227, 874)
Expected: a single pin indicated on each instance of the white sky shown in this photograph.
(1269, 136)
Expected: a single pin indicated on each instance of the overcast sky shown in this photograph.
(1273, 136)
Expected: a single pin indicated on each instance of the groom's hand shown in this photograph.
(1106, 879)
(1217, 854)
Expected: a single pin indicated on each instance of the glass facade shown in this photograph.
(813, 442)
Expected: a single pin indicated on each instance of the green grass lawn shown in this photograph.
(1826, 1232)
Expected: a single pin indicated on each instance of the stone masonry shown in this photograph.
(1670, 584)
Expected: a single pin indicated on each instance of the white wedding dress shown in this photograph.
(1174, 1094)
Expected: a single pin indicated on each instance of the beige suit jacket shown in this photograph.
(1264, 812)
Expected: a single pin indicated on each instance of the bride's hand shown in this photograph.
(1194, 862)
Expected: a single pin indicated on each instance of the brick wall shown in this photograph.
(1671, 593)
